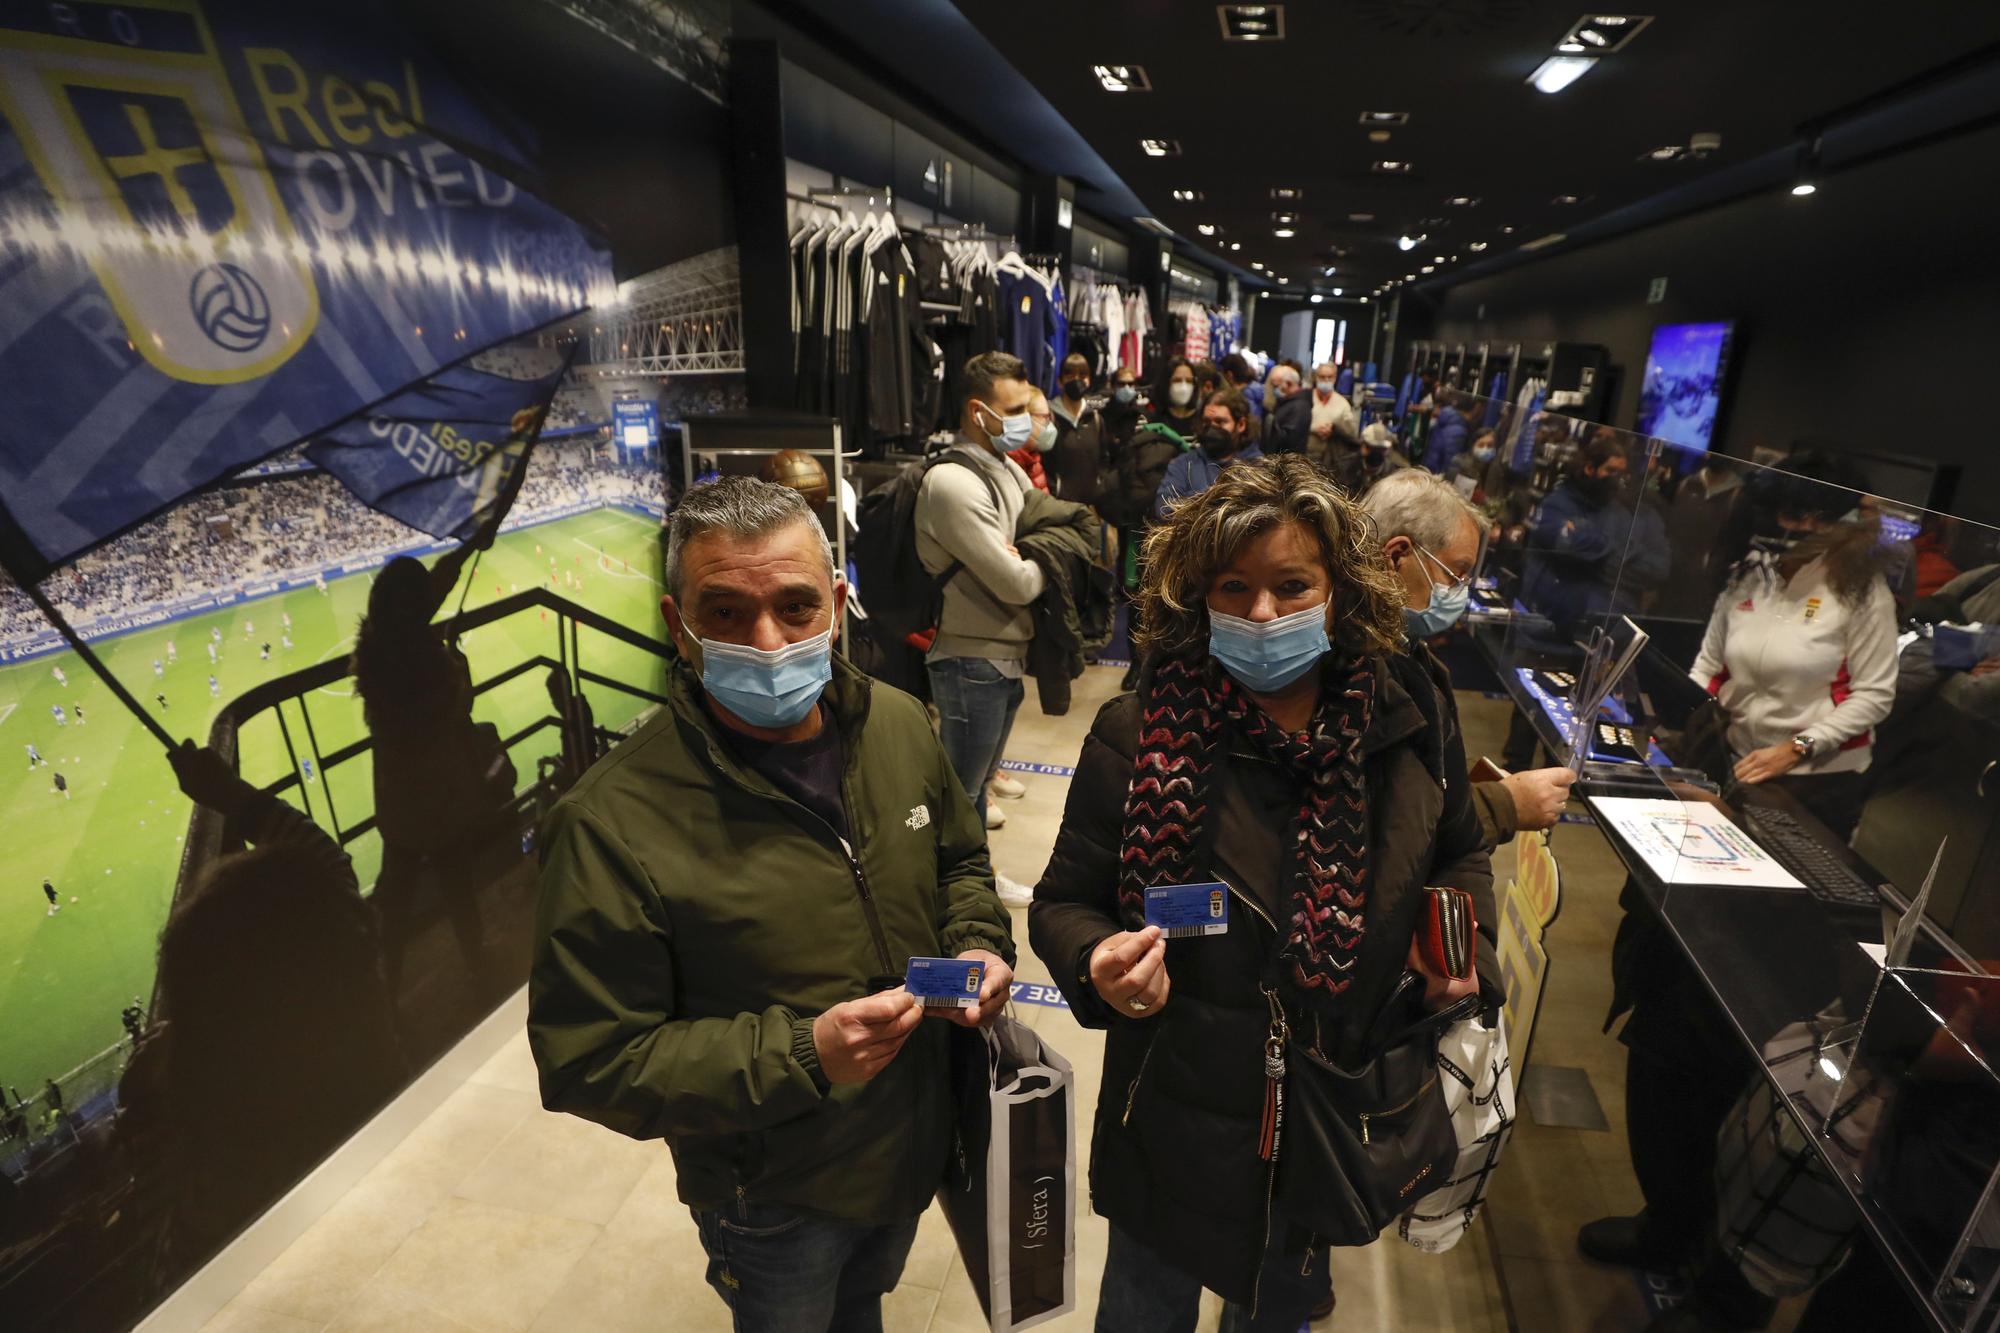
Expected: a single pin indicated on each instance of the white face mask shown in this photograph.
(1180, 393)
(1325, 388)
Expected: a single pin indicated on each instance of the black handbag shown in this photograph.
(1354, 1149)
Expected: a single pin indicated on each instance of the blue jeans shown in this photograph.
(1143, 1293)
(976, 707)
(780, 1271)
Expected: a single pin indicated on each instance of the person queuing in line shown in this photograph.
(1182, 410)
(1080, 464)
(1430, 538)
(1377, 458)
(1335, 433)
(809, 1109)
(1040, 440)
(1451, 431)
(1225, 438)
(967, 515)
(1288, 424)
(1323, 763)
(1801, 652)
(1577, 538)
(1477, 470)
(1236, 374)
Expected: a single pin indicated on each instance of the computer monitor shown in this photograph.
(1682, 392)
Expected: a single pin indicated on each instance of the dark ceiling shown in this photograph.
(1253, 116)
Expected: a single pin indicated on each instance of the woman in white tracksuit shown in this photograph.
(1801, 649)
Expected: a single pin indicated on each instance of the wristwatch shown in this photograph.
(1804, 744)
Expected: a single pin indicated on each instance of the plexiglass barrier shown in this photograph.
(1805, 742)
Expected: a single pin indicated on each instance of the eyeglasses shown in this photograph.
(1455, 581)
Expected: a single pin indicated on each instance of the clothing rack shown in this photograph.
(847, 192)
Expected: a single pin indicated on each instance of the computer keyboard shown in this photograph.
(1824, 874)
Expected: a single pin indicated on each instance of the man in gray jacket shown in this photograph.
(968, 514)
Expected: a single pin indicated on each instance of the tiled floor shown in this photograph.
(496, 1215)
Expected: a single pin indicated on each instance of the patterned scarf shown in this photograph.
(1167, 804)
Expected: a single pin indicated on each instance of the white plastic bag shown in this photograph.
(1478, 1079)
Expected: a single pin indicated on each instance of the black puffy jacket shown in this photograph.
(1174, 1153)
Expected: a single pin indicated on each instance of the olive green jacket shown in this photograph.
(692, 922)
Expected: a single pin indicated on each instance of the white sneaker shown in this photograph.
(1006, 788)
(995, 818)
(1013, 892)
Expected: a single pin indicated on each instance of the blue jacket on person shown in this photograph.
(1194, 472)
(1451, 435)
(1586, 559)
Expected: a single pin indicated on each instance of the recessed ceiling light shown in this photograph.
(1364, 300)
(1408, 242)
(1316, 298)
(1378, 136)
(1428, 268)
(1160, 147)
(1604, 33)
(1282, 281)
(1437, 259)
(1283, 233)
(1283, 218)
(1572, 48)
(1409, 277)
(1206, 228)
(1251, 23)
(1462, 201)
(1360, 217)
(1476, 246)
(1666, 154)
(1328, 270)
(1559, 72)
(1187, 196)
(1122, 78)
(1564, 200)
(1393, 168)
(1804, 188)
(1236, 245)
(1287, 193)
(1338, 290)
(1257, 264)
(1385, 118)
(1506, 231)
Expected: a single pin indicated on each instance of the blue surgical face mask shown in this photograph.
(1125, 393)
(774, 689)
(1270, 654)
(1448, 603)
(1483, 455)
(1015, 431)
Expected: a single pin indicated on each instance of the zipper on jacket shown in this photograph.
(1408, 1102)
(1132, 1092)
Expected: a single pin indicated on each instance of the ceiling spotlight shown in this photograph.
(1364, 300)
(1409, 277)
(1282, 281)
(1808, 168)
(1385, 118)
(1604, 33)
(1804, 188)
(1665, 154)
(1428, 268)
(1559, 72)
(1476, 246)
(1187, 196)
(1506, 231)
(1437, 259)
(1328, 270)
(1284, 219)
(1257, 264)
(1564, 200)
(1462, 201)
(1206, 228)
(1572, 48)
(1378, 136)
(1122, 78)
(1408, 242)
(1337, 291)
(1160, 147)
(1393, 168)
(1251, 23)
(1287, 193)
(1236, 245)
(1360, 217)
(1283, 233)
(1317, 298)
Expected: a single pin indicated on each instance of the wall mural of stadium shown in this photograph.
(327, 487)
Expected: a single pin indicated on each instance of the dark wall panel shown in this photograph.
(1866, 313)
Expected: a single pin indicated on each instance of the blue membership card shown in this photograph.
(1184, 910)
(945, 983)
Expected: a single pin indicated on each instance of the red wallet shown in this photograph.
(1444, 932)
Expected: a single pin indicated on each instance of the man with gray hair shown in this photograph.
(729, 902)
(1430, 539)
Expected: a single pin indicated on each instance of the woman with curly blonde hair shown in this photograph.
(1282, 744)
